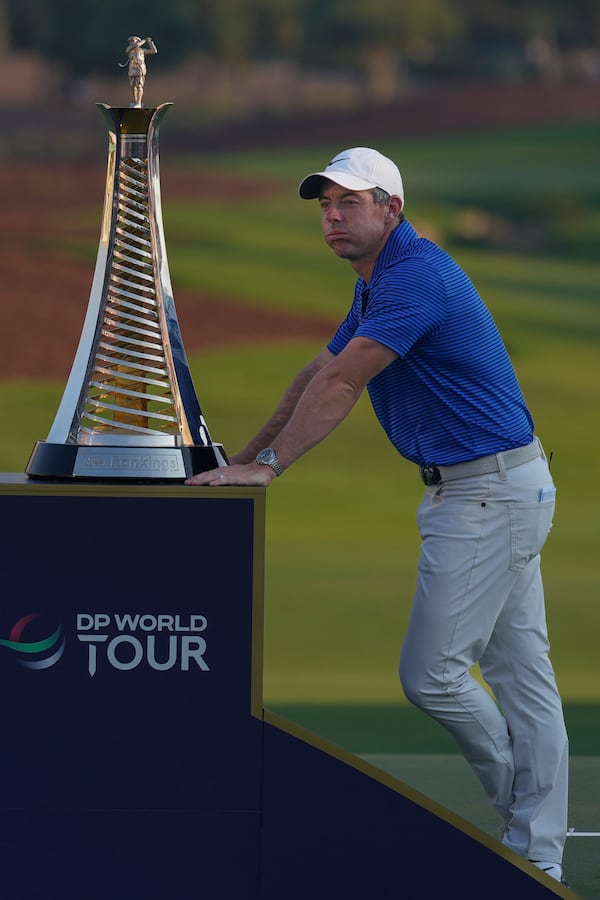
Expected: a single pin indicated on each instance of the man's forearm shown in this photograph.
(318, 399)
(282, 415)
(330, 396)
(324, 404)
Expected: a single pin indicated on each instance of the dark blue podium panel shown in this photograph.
(130, 665)
(129, 855)
(333, 827)
(125, 626)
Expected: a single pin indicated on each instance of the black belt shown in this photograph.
(485, 465)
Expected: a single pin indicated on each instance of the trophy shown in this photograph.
(129, 409)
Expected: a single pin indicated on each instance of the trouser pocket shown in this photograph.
(530, 524)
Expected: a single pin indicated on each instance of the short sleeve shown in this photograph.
(407, 303)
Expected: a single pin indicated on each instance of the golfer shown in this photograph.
(420, 339)
(137, 49)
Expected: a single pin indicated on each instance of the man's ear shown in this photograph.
(395, 206)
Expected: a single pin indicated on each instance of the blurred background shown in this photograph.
(492, 112)
(266, 61)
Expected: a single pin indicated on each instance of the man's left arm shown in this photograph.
(325, 403)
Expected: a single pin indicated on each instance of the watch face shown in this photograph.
(268, 457)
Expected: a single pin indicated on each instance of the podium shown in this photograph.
(138, 760)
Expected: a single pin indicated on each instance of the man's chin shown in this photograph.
(341, 248)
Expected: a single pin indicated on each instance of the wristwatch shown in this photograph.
(268, 457)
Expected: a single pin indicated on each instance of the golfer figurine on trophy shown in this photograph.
(137, 50)
(129, 409)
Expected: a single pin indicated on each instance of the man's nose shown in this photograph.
(332, 213)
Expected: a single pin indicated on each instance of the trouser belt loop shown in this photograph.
(542, 454)
(501, 466)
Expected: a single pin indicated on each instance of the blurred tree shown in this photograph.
(87, 36)
(90, 36)
(536, 34)
(4, 28)
(379, 36)
(279, 27)
(240, 30)
(229, 28)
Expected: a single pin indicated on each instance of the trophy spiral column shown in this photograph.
(129, 409)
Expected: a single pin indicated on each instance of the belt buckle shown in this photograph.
(430, 475)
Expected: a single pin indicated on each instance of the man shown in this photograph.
(422, 342)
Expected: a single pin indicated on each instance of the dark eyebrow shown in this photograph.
(323, 196)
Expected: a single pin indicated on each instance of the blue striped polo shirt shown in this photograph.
(452, 395)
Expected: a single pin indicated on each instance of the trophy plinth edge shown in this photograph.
(107, 463)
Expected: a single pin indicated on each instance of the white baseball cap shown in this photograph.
(357, 169)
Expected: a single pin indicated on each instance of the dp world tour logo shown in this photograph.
(35, 654)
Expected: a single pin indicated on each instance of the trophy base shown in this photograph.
(110, 463)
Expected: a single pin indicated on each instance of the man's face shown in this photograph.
(354, 226)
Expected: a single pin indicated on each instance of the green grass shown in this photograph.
(341, 540)
(398, 728)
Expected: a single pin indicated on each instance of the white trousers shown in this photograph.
(479, 598)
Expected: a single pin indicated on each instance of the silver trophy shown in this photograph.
(129, 409)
